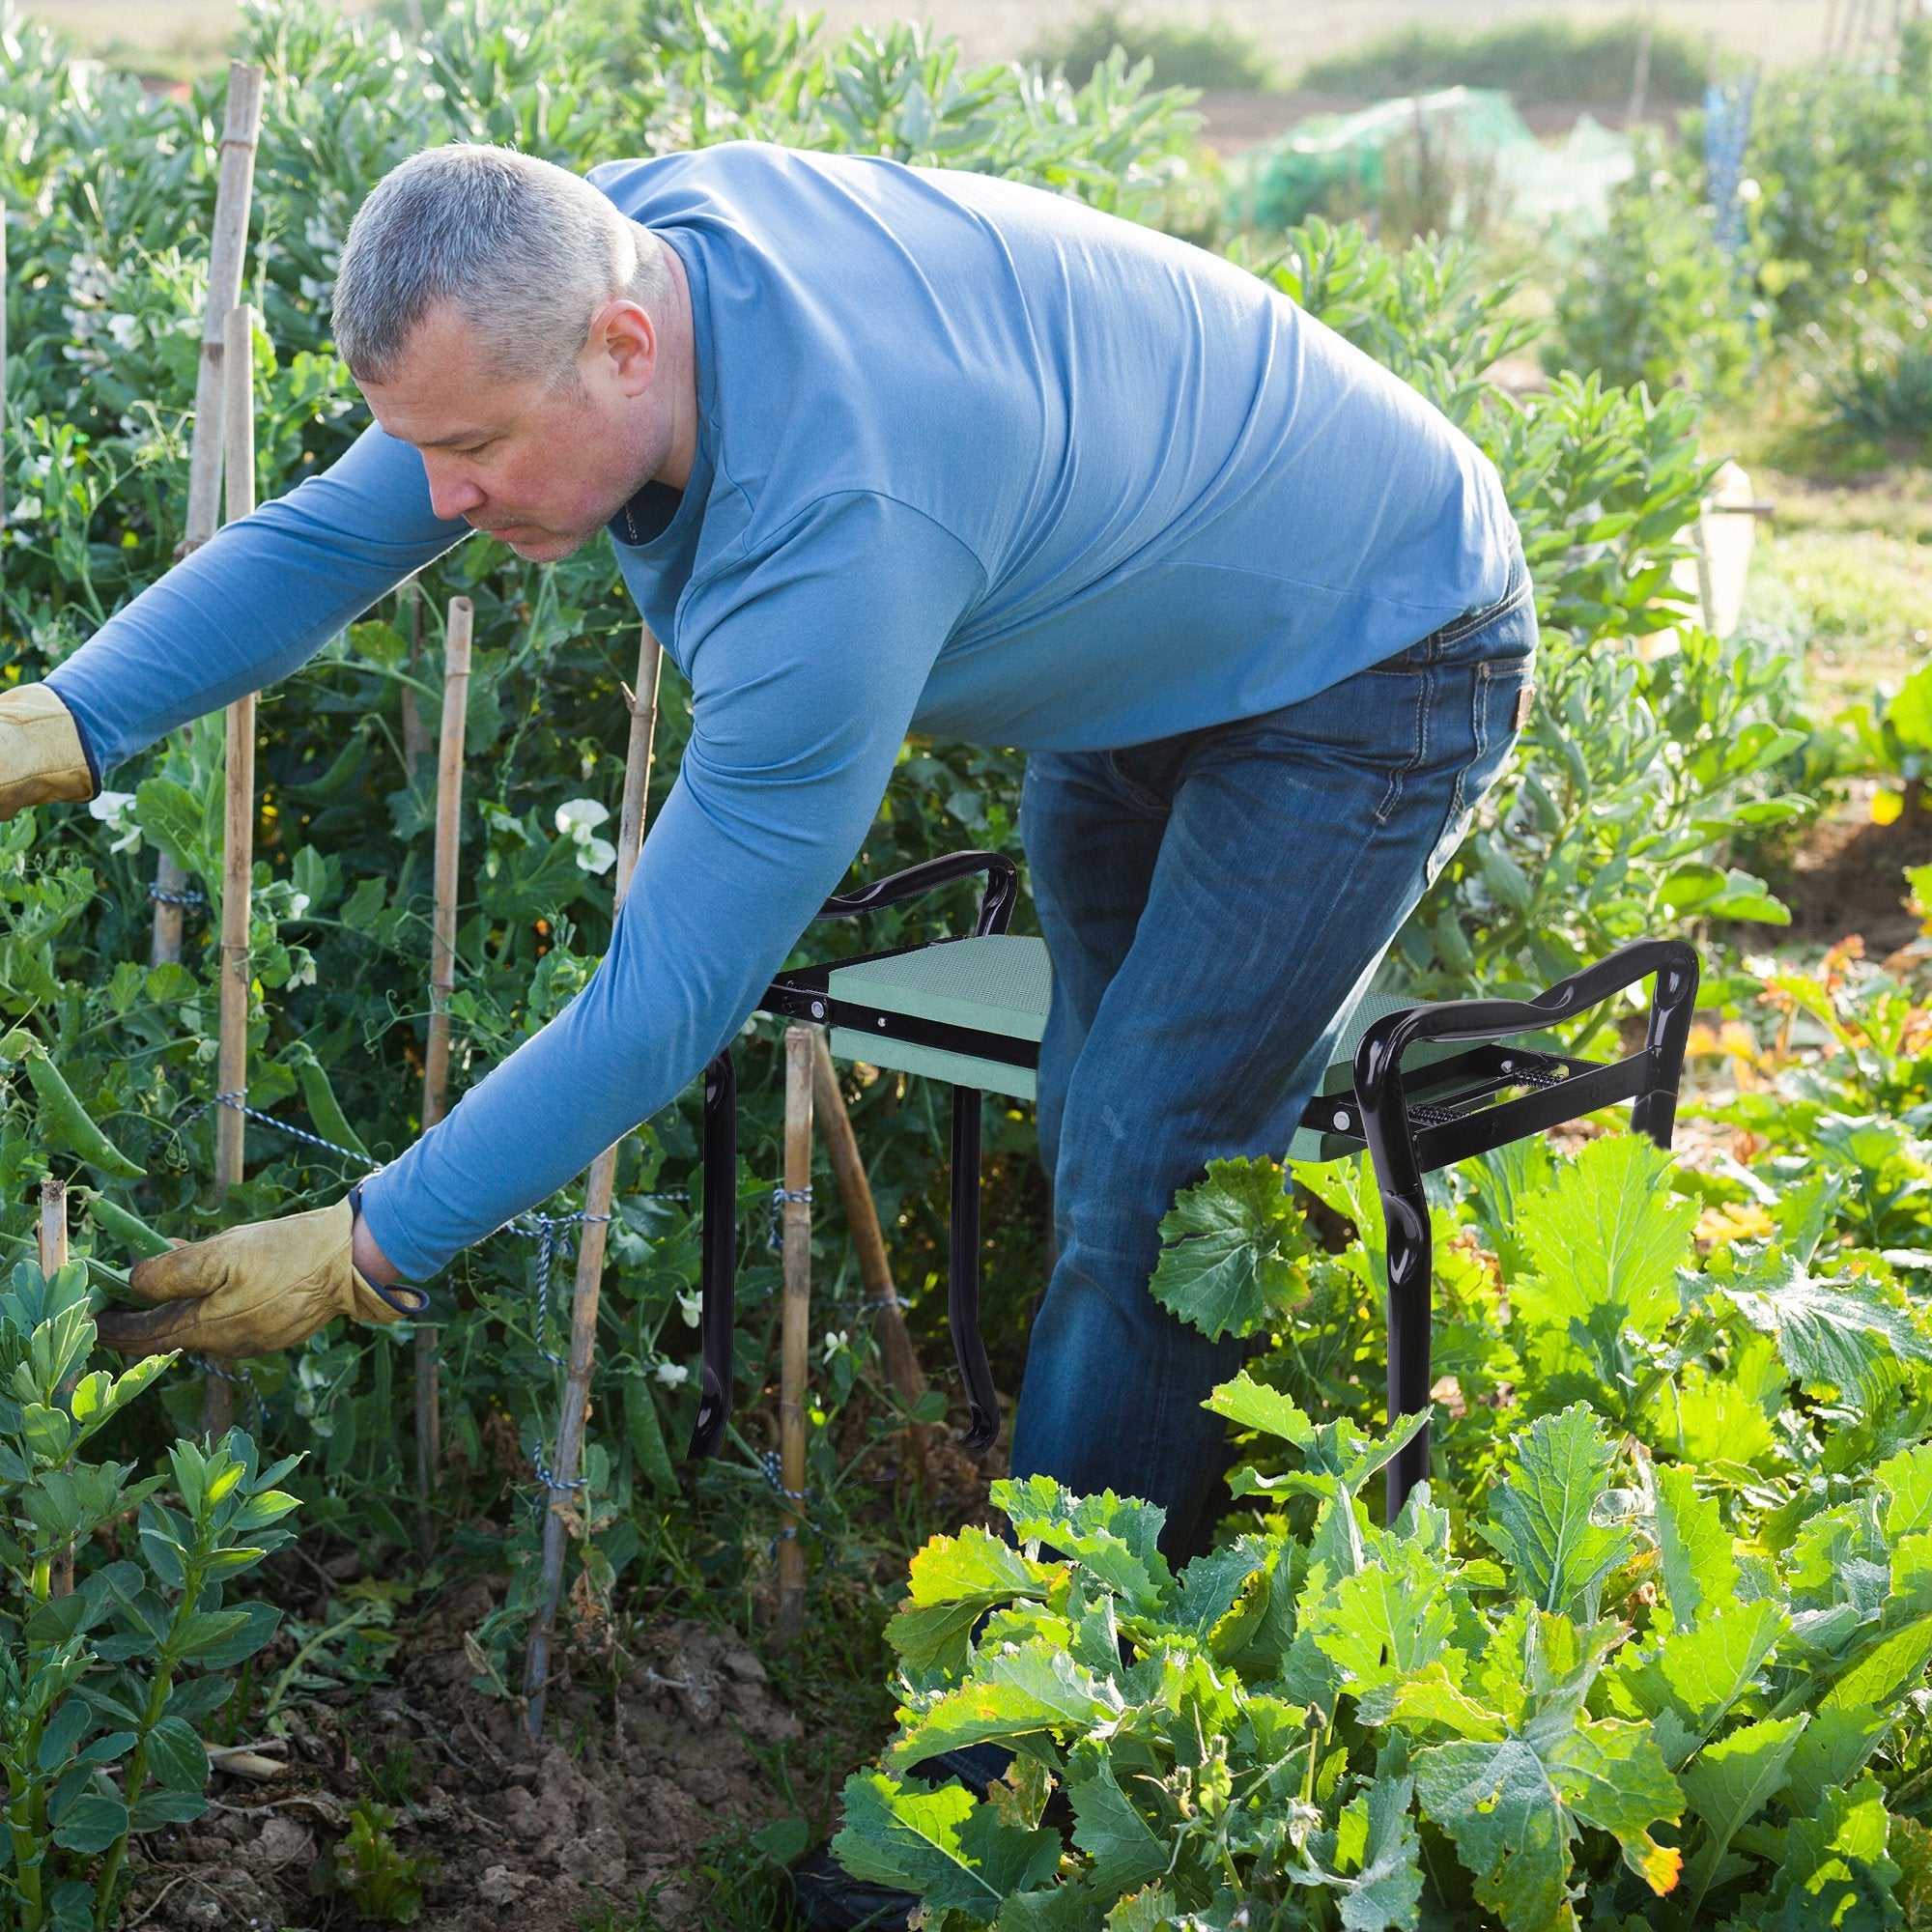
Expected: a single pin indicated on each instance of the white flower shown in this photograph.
(673, 1374)
(577, 819)
(116, 810)
(691, 1307)
(835, 1343)
(124, 328)
(24, 510)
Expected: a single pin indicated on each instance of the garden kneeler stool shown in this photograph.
(1420, 1086)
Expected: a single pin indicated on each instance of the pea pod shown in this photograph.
(129, 1230)
(341, 775)
(72, 1123)
(325, 1110)
(646, 1437)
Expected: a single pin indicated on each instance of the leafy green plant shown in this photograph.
(107, 1665)
(1655, 300)
(1652, 1641)
(386, 1883)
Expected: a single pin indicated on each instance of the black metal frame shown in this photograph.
(1438, 1114)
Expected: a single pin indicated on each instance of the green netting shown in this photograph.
(1342, 164)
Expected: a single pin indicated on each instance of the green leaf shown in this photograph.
(1910, 712)
(258, 1623)
(1541, 1514)
(156, 1808)
(1882, 1672)
(1117, 1539)
(1231, 1251)
(1251, 1405)
(1905, 1482)
(1027, 1689)
(1834, 1750)
(1378, 1627)
(1728, 1784)
(1693, 1548)
(1693, 1679)
(91, 1824)
(954, 1580)
(1836, 1871)
(1512, 1808)
(1605, 1241)
(177, 1756)
(168, 815)
(955, 1853)
(61, 1739)
(1385, 1894)
(1846, 1333)
(1107, 1827)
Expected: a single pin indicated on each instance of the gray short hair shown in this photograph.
(523, 249)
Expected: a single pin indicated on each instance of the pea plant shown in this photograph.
(116, 1641)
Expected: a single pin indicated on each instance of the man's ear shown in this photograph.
(624, 339)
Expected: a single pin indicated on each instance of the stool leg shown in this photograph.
(719, 1274)
(1654, 1111)
(1412, 1261)
(962, 1306)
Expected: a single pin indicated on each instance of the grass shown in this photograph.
(1184, 54)
(1551, 58)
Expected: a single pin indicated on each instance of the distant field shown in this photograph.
(1778, 32)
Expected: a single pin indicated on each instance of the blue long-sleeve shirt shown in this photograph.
(970, 459)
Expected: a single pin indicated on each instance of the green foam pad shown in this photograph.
(995, 982)
(904, 1056)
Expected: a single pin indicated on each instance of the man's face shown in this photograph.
(543, 466)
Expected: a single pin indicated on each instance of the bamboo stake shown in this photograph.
(234, 187)
(796, 1331)
(598, 1190)
(862, 1216)
(442, 984)
(3, 377)
(237, 858)
(53, 1225)
(53, 1258)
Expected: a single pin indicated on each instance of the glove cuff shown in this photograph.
(42, 760)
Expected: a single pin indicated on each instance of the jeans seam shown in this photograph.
(1418, 755)
(1135, 791)
(1471, 621)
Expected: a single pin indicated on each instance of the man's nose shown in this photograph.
(451, 493)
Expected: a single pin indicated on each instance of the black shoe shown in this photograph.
(830, 1899)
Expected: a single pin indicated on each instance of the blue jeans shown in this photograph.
(1213, 903)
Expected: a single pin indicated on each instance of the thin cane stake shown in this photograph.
(53, 1225)
(598, 1189)
(237, 858)
(3, 377)
(53, 1258)
(234, 187)
(442, 984)
(789, 1623)
(862, 1216)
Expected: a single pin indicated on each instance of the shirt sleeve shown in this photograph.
(260, 598)
(807, 660)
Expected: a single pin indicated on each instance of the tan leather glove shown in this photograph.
(252, 1290)
(41, 757)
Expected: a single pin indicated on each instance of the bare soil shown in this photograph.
(660, 1764)
(1848, 878)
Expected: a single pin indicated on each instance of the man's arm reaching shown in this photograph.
(259, 600)
(807, 662)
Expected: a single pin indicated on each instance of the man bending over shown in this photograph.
(884, 449)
